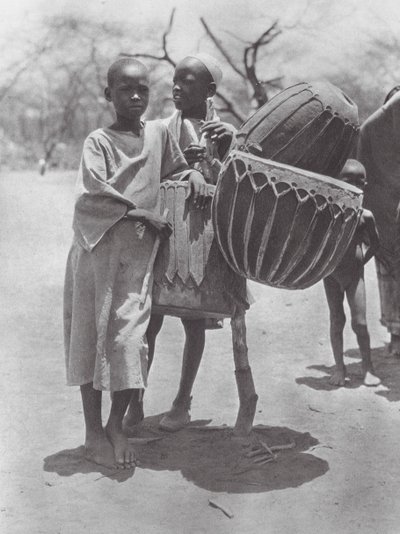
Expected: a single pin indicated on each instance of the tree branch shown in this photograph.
(24, 66)
(221, 49)
(250, 61)
(230, 108)
(165, 56)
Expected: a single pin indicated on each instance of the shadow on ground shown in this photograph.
(387, 367)
(212, 458)
(72, 461)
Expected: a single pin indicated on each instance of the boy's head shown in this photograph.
(353, 173)
(128, 87)
(196, 78)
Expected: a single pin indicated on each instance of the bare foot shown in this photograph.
(100, 451)
(177, 418)
(338, 378)
(371, 380)
(124, 452)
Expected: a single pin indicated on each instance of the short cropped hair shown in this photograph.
(120, 63)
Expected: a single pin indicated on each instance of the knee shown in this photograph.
(193, 325)
(359, 327)
(337, 323)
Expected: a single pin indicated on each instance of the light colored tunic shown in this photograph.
(379, 152)
(104, 321)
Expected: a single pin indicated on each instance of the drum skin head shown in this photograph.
(280, 225)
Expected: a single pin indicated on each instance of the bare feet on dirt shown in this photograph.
(177, 418)
(370, 378)
(338, 378)
(124, 452)
(99, 450)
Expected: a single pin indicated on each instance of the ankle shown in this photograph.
(182, 402)
(91, 436)
(113, 427)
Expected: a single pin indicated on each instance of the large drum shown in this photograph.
(191, 278)
(309, 125)
(280, 225)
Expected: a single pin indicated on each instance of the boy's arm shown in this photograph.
(371, 234)
(159, 224)
(98, 205)
(175, 167)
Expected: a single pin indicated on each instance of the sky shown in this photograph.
(331, 32)
(235, 13)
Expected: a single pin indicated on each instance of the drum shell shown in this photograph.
(190, 273)
(312, 126)
(280, 225)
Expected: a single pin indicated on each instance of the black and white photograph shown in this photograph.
(200, 266)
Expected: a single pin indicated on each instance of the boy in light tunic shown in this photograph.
(116, 221)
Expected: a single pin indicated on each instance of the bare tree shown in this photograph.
(250, 56)
(38, 49)
(165, 56)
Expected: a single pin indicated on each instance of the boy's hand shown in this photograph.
(194, 153)
(157, 223)
(198, 190)
(217, 131)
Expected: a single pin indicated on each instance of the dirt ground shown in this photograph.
(342, 476)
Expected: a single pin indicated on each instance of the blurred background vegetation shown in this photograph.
(54, 64)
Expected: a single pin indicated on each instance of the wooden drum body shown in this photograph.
(280, 225)
(190, 273)
(312, 126)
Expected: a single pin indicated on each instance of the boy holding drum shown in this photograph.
(204, 141)
(348, 279)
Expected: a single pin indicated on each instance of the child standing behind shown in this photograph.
(348, 279)
(115, 222)
(204, 141)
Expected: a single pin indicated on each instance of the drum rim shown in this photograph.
(329, 180)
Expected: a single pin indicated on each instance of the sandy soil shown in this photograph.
(342, 476)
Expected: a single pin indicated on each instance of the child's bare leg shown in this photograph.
(395, 345)
(135, 412)
(335, 296)
(178, 416)
(357, 301)
(98, 448)
(123, 450)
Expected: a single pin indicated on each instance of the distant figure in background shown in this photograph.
(42, 166)
(378, 150)
(348, 279)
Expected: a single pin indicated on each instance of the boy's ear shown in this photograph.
(107, 94)
(211, 90)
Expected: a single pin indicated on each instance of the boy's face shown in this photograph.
(192, 84)
(129, 91)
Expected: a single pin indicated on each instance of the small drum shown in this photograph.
(191, 276)
(311, 126)
(280, 225)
